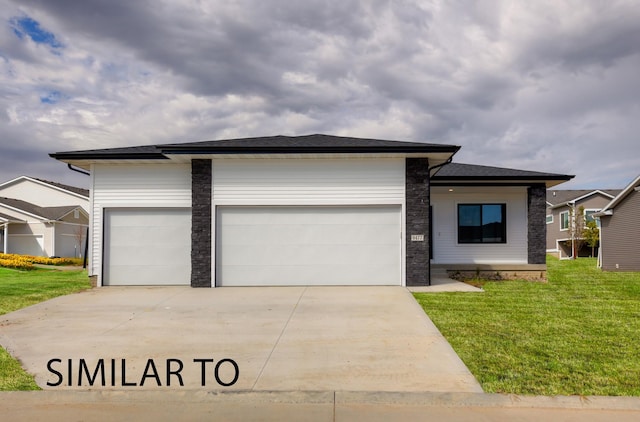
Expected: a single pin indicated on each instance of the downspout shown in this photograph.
(430, 225)
(86, 241)
(78, 170)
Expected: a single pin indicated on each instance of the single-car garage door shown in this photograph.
(279, 246)
(147, 246)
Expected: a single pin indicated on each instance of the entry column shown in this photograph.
(417, 222)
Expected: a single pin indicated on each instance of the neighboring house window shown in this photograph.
(76, 214)
(564, 220)
(549, 219)
(588, 216)
(482, 223)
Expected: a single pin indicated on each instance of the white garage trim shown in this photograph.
(147, 246)
(308, 245)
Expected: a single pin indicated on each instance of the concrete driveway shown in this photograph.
(253, 338)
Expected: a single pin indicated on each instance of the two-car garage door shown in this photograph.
(288, 245)
(258, 246)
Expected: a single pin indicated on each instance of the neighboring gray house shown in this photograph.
(306, 210)
(560, 207)
(620, 231)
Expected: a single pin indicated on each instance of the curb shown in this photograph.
(338, 398)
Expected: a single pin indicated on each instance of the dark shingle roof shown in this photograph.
(79, 191)
(280, 144)
(49, 213)
(472, 172)
(556, 197)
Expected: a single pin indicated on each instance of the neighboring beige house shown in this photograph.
(43, 218)
(560, 207)
(620, 232)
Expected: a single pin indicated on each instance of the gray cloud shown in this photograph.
(542, 85)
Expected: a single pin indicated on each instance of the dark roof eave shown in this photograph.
(436, 178)
(177, 150)
(107, 156)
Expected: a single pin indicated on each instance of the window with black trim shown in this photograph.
(482, 223)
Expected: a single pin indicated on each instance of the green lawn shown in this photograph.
(19, 289)
(578, 334)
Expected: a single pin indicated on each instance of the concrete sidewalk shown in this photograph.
(115, 406)
(280, 339)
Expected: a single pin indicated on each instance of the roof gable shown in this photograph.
(631, 187)
(558, 198)
(75, 191)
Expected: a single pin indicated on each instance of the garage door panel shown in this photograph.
(292, 234)
(307, 275)
(284, 255)
(147, 246)
(308, 245)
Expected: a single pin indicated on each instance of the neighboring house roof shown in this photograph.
(608, 209)
(458, 172)
(558, 198)
(4, 218)
(46, 213)
(79, 191)
(71, 189)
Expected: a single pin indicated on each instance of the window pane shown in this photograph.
(469, 223)
(564, 220)
(493, 223)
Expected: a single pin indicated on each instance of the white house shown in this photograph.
(306, 210)
(30, 229)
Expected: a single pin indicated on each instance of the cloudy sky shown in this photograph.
(538, 85)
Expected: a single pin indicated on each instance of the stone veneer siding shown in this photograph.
(201, 179)
(537, 226)
(417, 221)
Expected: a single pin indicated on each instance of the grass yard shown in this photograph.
(578, 334)
(19, 289)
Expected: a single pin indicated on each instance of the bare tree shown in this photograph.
(576, 229)
(79, 235)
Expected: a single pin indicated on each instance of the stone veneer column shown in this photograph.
(417, 221)
(537, 224)
(201, 179)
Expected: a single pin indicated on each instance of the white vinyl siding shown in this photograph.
(447, 250)
(134, 186)
(309, 245)
(317, 181)
(43, 195)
